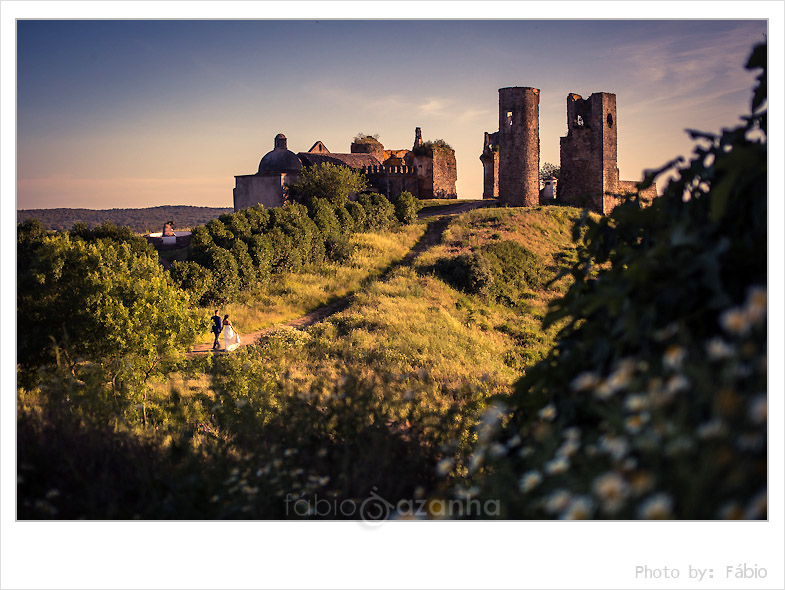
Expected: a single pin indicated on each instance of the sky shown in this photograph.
(138, 113)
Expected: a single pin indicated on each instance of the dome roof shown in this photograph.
(280, 159)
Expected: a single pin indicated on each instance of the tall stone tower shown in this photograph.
(589, 173)
(519, 146)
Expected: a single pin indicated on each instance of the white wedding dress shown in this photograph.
(231, 338)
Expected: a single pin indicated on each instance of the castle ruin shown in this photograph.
(588, 153)
(428, 170)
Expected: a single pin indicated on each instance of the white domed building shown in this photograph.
(277, 169)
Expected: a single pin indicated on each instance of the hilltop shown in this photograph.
(142, 220)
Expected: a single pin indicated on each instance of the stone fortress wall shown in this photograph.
(588, 153)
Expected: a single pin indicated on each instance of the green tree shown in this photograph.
(406, 207)
(328, 181)
(380, 213)
(100, 308)
(547, 170)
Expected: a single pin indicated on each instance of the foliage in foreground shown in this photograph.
(102, 309)
(652, 404)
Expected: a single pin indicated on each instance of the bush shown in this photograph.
(515, 270)
(359, 216)
(380, 213)
(406, 207)
(192, 278)
(345, 220)
(470, 273)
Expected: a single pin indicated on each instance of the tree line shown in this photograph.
(142, 220)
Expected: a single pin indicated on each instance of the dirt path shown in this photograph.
(432, 236)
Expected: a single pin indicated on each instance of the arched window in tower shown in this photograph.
(579, 121)
(509, 118)
(609, 119)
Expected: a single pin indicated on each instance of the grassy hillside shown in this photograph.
(375, 396)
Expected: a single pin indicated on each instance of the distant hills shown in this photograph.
(144, 220)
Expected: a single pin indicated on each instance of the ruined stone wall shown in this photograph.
(445, 173)
(373, 147)
(490, 166)
(437, 172)
(588, 153)
(391, 181)
(519, 146)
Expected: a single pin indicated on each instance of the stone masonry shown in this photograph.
(588, 154)
(589, 172)
(490, 166)
(519, 146)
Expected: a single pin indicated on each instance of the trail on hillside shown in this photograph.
(431, 237)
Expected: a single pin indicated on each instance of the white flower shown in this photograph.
(755, 306)
(635, 423)
(636, 402)
(547, 413)
(557, 501)
(674, 357)
(490, 420)
(736, 321)
(676, 383)
(568, 448)
(557, 465)
(525, 452)
(529, 480)
(717, 349)
(656, 507)
(514, 441)
(497, 450)
(580, 508)
(612, 490)
(584, 381)
(444, 466)
(475, 462)
(617, 447)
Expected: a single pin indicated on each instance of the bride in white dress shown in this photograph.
(231, 337)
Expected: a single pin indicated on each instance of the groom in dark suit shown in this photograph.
(216, 329)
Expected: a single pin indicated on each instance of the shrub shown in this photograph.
(515, 270)
(261, 250)
(359, 216)
(406, 207)
(192, 278)
(224, 274)
(345, 220)
(470, 273)
(379, 211)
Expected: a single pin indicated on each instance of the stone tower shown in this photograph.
(589, 174)
(417, 138)
(490, 166)
(519, 146)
